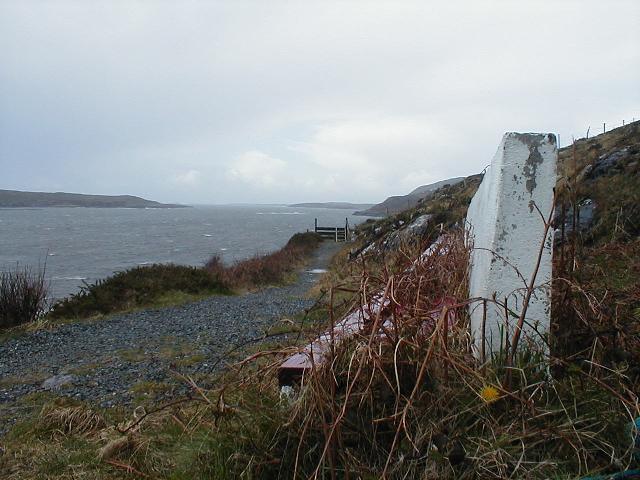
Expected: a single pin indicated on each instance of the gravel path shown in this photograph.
(117, 359)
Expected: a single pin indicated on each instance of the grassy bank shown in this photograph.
(23, 293)
(139, 287)
(269, 269)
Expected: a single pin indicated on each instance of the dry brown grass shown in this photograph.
(406, 399)
(269, 269)
(23, 296)
(75, 420)
(402, 399)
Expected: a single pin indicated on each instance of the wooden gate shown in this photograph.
(338, 234)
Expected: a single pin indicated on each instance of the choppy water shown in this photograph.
(85, 244)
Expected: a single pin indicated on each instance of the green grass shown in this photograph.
(30, 378)
(56, 438)
(132, 355)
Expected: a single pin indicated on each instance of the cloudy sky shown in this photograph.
(268, 101)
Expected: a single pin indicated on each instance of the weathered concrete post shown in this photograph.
(507, 231)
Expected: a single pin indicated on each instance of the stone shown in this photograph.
(58, 381)
(584, 221)
(420, 225)
(411, 232)
(506, 231)
(608, 164)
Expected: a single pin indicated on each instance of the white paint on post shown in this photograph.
(507, 230)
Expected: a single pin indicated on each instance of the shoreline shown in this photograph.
(122, 358)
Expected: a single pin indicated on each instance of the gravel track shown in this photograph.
(103, 361)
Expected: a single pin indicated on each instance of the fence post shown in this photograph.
(506, 227)
(315, 228)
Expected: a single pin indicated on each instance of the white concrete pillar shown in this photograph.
(507, 231)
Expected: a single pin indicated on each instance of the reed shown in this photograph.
(23, 296)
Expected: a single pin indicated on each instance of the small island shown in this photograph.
(18, 199)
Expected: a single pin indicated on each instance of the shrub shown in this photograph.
(23, 296)
(138, 287)
(268, 269)
(306, 241)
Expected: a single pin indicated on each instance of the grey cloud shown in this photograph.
(134, 97)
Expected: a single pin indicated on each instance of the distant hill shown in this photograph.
(398, 203)
(17, 199)
(341, 205)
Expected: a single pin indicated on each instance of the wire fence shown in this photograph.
(605, 128)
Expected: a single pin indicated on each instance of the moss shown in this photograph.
(149, 387)
(29, 378)
(84, 369)
(189, 360)
(132, 355)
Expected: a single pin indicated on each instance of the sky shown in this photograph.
(294, 101)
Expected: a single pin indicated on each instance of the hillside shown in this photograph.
(601, 177)
(598, 198)
(18, 199)
(398, 203)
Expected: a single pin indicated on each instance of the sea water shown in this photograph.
(78, 245)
